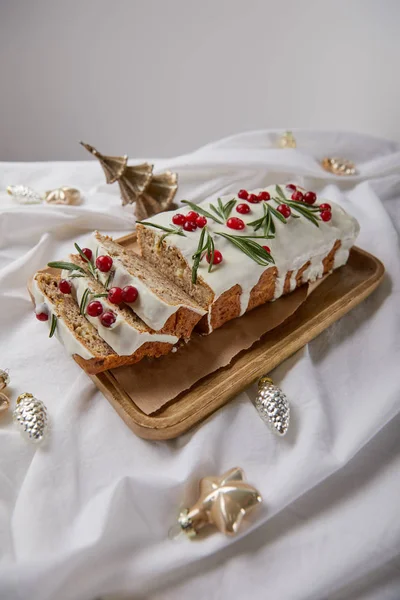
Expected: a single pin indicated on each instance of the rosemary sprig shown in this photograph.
(84, 301)
(170, 230)
(221, 211)
(210, 252)
(277, 214)
(305, 210)
(197, 255)
(249, 247)
(53, 325)
(203, 212)
(91, 268)
(66, 266)
(280, 193)
(228, 207)
(206, 244)
(99, 296)
(76, 275)
(109, 279)
(267, 222)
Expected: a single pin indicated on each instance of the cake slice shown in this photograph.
(260, 245)
(77, 334)
(160, 303)
(121, 328)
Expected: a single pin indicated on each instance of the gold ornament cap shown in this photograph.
(223, 502)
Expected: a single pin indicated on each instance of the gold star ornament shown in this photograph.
(223, 502)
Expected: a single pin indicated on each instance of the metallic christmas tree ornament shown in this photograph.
(4, 378)
(223, 502)
(339, 166)
(287, 140)
(24, 194)
(151, 193)
(272, 405)
(132, 180)
(158, 196)
(4, 404)
(64, 195)
(30, 415)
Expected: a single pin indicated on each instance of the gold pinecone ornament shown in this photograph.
(30, 415)
(151, 193)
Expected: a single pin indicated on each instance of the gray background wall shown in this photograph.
(162, 77)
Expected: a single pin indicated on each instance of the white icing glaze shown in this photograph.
(123, 337)
(148, 306)
(293, 282)
(295, 243)
(62, 332)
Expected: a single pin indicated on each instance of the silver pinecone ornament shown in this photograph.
(24, 194)
(272, 405)
(30, 415)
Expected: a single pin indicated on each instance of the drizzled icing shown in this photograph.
(152, 309)
(123, 338)
(62, 332)
(295, 243)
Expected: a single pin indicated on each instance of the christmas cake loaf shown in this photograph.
(155, 299)
(55, 304)
(243, 250)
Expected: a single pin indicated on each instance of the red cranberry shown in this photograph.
(65, 286)
(42, 316)
(189, 226)
(191, 216)
(291, 186)
(253, 199)
(88, 253)
(267, 249)
(243, 194)
(178, 219)
(297, 196)
(325, 206)
(310, 197)
(107, 319)
(115, 295)
(284, 210)
(235, 223)
(129, 294)
(94, 308)
(326, 215)
(104, 263)
(243, 209)
(264, 196)
(201, 222)
(217, 257)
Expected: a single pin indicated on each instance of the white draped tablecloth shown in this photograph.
(87, 515)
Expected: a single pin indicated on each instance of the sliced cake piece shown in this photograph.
(160, 303)
(77, 334)
(260, 244)
(122, 329)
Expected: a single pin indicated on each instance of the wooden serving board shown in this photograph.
(333, 298)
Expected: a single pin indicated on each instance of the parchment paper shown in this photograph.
(153, 383)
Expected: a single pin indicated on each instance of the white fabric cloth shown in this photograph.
(87, 516)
